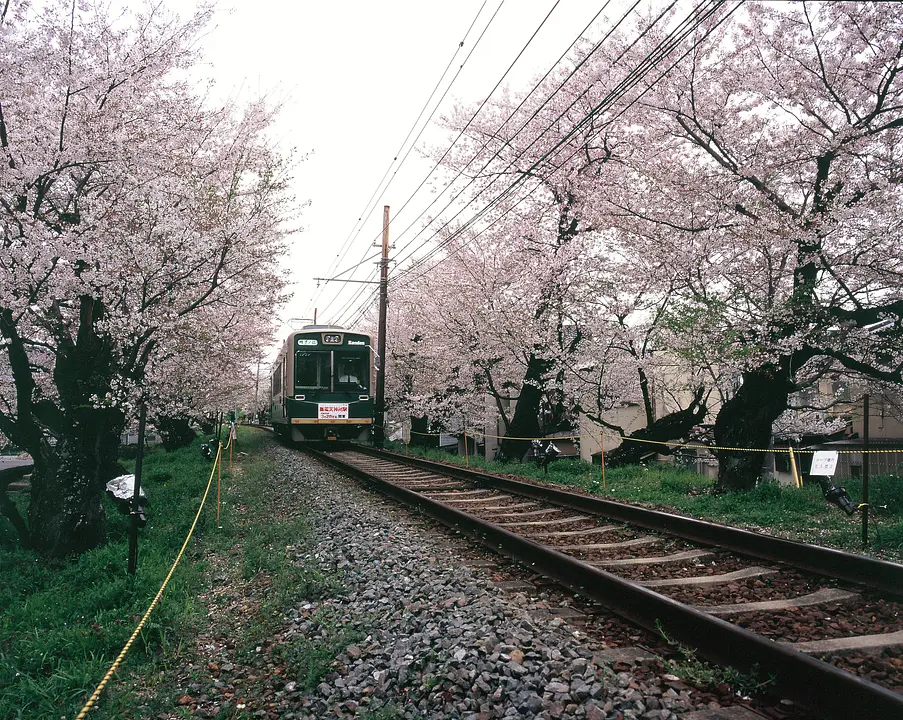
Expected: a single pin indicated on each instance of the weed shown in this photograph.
(308, 660)
(383, 711)
(704, 674)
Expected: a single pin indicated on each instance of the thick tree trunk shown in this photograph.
(525, 423)
(420, 432)
(176, 431)
(66, 515)
(673, 426)
(745, 421)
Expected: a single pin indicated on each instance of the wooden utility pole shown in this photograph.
(379, 420)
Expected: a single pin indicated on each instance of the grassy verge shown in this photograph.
(63, 622)
(800, 514)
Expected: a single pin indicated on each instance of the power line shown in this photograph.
(496, 86)
(665, 47)
(617, 93)
(351, 235)
(504, 75)
(536, 86)
(539, 136)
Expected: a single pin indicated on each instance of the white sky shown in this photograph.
(354, 77)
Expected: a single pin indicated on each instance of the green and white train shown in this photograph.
(321, 385)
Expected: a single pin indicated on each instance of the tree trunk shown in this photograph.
(525, 423)
(176, 431)
(420, 432)
(673, 426)
(745, 421)
(66, 515)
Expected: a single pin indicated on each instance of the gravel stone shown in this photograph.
(436, 638)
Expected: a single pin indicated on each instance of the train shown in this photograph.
(321, 385)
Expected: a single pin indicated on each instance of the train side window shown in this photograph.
(311, 370)
(277, 382)
(352, 371)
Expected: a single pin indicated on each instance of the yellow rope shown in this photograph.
(116, 663)
(613, 436)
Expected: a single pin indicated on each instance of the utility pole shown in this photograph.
(379, 431)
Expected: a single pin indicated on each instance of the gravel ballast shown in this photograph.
(434, 637)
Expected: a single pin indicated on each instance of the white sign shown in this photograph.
(307, 341)
(332, 411)
(824, 462)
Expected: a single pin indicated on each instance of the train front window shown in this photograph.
(311, 370)
(352, 371)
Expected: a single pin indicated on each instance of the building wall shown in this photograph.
(884, 418)
(629, 417)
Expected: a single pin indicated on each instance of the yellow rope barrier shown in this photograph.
(476, 434)
(118, 661)
(679, 445)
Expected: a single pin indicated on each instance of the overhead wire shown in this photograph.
(466, 59)
(523, 101)
(461, 133)
(664, 48)
(495, 87)
(649, 60)
(346, 245)
(523, 175)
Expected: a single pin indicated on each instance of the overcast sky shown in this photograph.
(354, 77)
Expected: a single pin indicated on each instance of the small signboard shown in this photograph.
(332, 411)
(824, 462)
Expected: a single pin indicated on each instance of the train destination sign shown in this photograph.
(307, 341)
(332, 411)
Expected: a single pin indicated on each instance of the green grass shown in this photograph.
(62, 623)
(702, 674)
(800, 514)
(308, 660)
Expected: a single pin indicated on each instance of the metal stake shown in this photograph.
(139, 461)
(602, 459)
(865, 470)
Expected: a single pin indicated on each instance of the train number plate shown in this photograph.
(332, 411)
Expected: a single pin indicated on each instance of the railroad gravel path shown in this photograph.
(438, 639)
(420, 628)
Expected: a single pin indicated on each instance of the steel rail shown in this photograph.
(836, 694)
(871, 572)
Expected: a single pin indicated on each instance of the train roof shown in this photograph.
(308, 328)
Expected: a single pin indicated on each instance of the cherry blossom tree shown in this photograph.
(765, 167)
(535, 162)
(133, 213)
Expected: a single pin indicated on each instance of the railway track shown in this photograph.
(812, 617)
